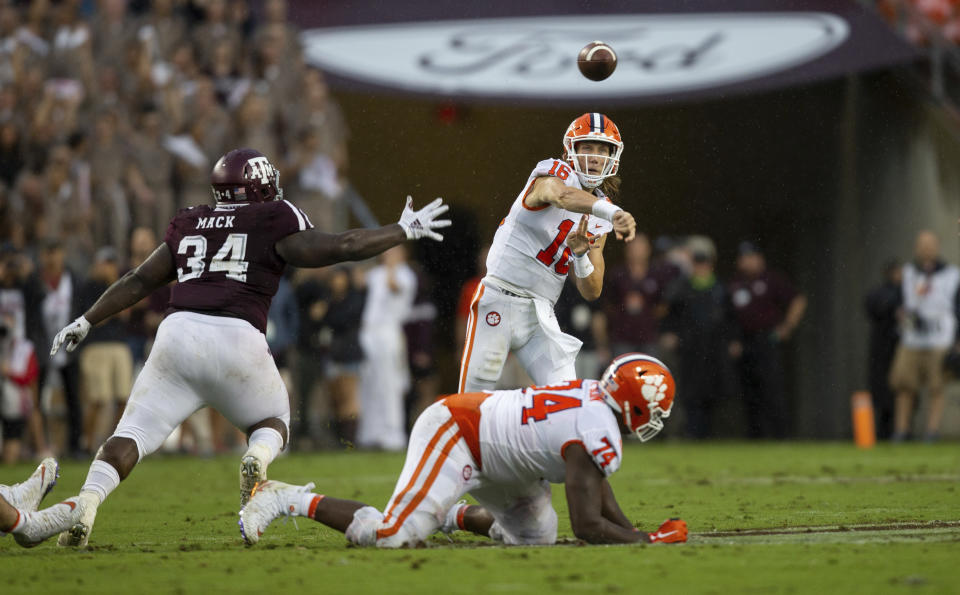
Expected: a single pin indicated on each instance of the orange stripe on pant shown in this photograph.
(465, 409)
(471, 335)
(423, 461)
(427, 483)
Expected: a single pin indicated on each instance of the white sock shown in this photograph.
(266, 443)
(101, 479)
(20, 524)
(306, 504)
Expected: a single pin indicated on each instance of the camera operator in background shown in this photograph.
(931, 305)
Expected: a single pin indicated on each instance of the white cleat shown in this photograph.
(269, 500)
(27, 495)
(78, 534)
(39, 525)
(253, 470)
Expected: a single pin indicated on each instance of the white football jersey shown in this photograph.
(529, 252)
(523, 433)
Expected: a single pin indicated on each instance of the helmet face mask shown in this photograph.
(245, 175)
(593, 127)
(641, 389)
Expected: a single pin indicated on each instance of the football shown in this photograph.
(597, 61)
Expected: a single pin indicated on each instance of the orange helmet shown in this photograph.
(597, 128)
(640, 388)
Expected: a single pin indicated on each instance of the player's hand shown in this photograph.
(419, 224)
(624, 226)
(671, 531)
(73, 333)
(579, 240)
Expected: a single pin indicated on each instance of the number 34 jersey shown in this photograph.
(226, 258)
(529, 251)
(523, 433)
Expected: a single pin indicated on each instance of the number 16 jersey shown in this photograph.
(529, 252)
(226, 259)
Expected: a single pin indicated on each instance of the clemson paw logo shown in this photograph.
(654, 388)
(493, 318)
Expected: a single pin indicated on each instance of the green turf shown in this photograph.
(172, 528)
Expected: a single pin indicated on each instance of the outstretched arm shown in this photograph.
(156, 271)
(314, 248)
(589, 502)
(550, 190)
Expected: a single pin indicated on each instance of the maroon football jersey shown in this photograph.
(226, 258)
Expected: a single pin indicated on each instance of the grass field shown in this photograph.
(764, 518)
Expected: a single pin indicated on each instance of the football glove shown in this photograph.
(671, 531)
(73, 333)
(419, 224)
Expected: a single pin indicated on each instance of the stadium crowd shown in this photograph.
(111, 117)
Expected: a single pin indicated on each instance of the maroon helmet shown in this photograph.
(245, 175)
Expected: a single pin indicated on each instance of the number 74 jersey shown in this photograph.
(529, 249)
(226, 258)
(524, 434)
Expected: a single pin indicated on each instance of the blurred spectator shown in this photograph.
(21, 294)
(697, 327)
(215, 27)
(18, 373)
(313, 342)
(314, 109)
(108, 165)
(420, 348)
(283, 325)
(149, 173)
(344, 355)
(931, 305)
(256, 124)
(767, 309)
(106, 364)
(328, 348)
(71, 56)
(112, 31)
(275, 17)
(884, 307)
(11, 152)
(633, 302)
(161, 30)
(317, 183)
(20, 299)
(63, 214)
(9, 23)
(385, 374)
(229, 81)
(60, 306)
(142, 321)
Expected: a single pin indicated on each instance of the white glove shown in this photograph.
(419, 224)
(73, 333)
